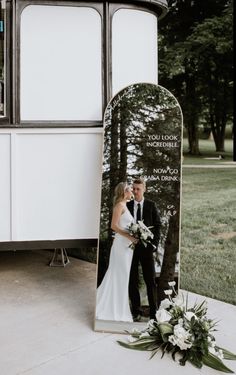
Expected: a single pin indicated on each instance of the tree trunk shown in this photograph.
(123, 147)
(234, 142)
(217, 111)
(218, 130)
(193, 141)
(113, 162)
(191, 110)
(220, 144)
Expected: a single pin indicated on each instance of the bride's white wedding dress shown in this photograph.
(112, 294)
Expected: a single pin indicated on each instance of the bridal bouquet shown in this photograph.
(140, 231)
(179, 329)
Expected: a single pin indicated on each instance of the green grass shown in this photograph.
(207, 150)
(208, 257)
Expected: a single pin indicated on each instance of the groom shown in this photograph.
(145, 210)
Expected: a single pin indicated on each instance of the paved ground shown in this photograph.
(46, 324)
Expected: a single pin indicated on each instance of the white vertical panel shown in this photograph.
(5, 187)
(134, 48)
(58, 186)
(61, 74)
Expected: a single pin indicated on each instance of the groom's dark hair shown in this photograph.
(139, 180)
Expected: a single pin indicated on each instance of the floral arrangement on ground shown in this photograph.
(183, 331)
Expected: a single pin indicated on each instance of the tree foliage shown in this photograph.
(196, 64)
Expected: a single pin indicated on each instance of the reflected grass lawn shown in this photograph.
(208, 251)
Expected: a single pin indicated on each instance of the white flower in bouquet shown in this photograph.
(179, 300)
(189, 315)
(206, 324)
(218, 353)
(150, 324)
(181, 322)
(181, 337)
(145, 229)
(211, 342)
(165, 303)
(168, 292)
(134, 227)
(141, 232)
(163, 316)
(144, 236)
(131, 339)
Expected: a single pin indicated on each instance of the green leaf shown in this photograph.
(196, 363)
(227, 354)
(212, 361)
(165, 329)
(133, 334)
(164, 347)
(186, 303)
(154, 352)
(140, 344)
(126, 345)
(184, 358)
(175, 350)
(195, 360)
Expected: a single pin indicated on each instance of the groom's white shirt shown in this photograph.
(136, 208)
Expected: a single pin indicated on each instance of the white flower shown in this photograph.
(206, 325)
(168, 292)
(189, 314)
(179, 331)
(181, 322)
(211, 342)
(134, 227)
(179, 300)
(172, 340)
(165, 303)
(162, 316)
(171, 283)
(212, 350)
(219, 354)
(131, 339)
(144, 236)
(150, 323)
(181, 338)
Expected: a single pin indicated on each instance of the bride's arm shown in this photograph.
(117, 212)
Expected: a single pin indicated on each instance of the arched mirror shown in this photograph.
(140, 206)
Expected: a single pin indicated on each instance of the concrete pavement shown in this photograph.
(46, 324)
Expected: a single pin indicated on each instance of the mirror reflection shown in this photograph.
(140, 208)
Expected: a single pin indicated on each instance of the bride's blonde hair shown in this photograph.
(119, 192)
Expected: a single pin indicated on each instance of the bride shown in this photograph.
(112, 294)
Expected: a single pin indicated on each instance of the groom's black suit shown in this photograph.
(144, 255)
